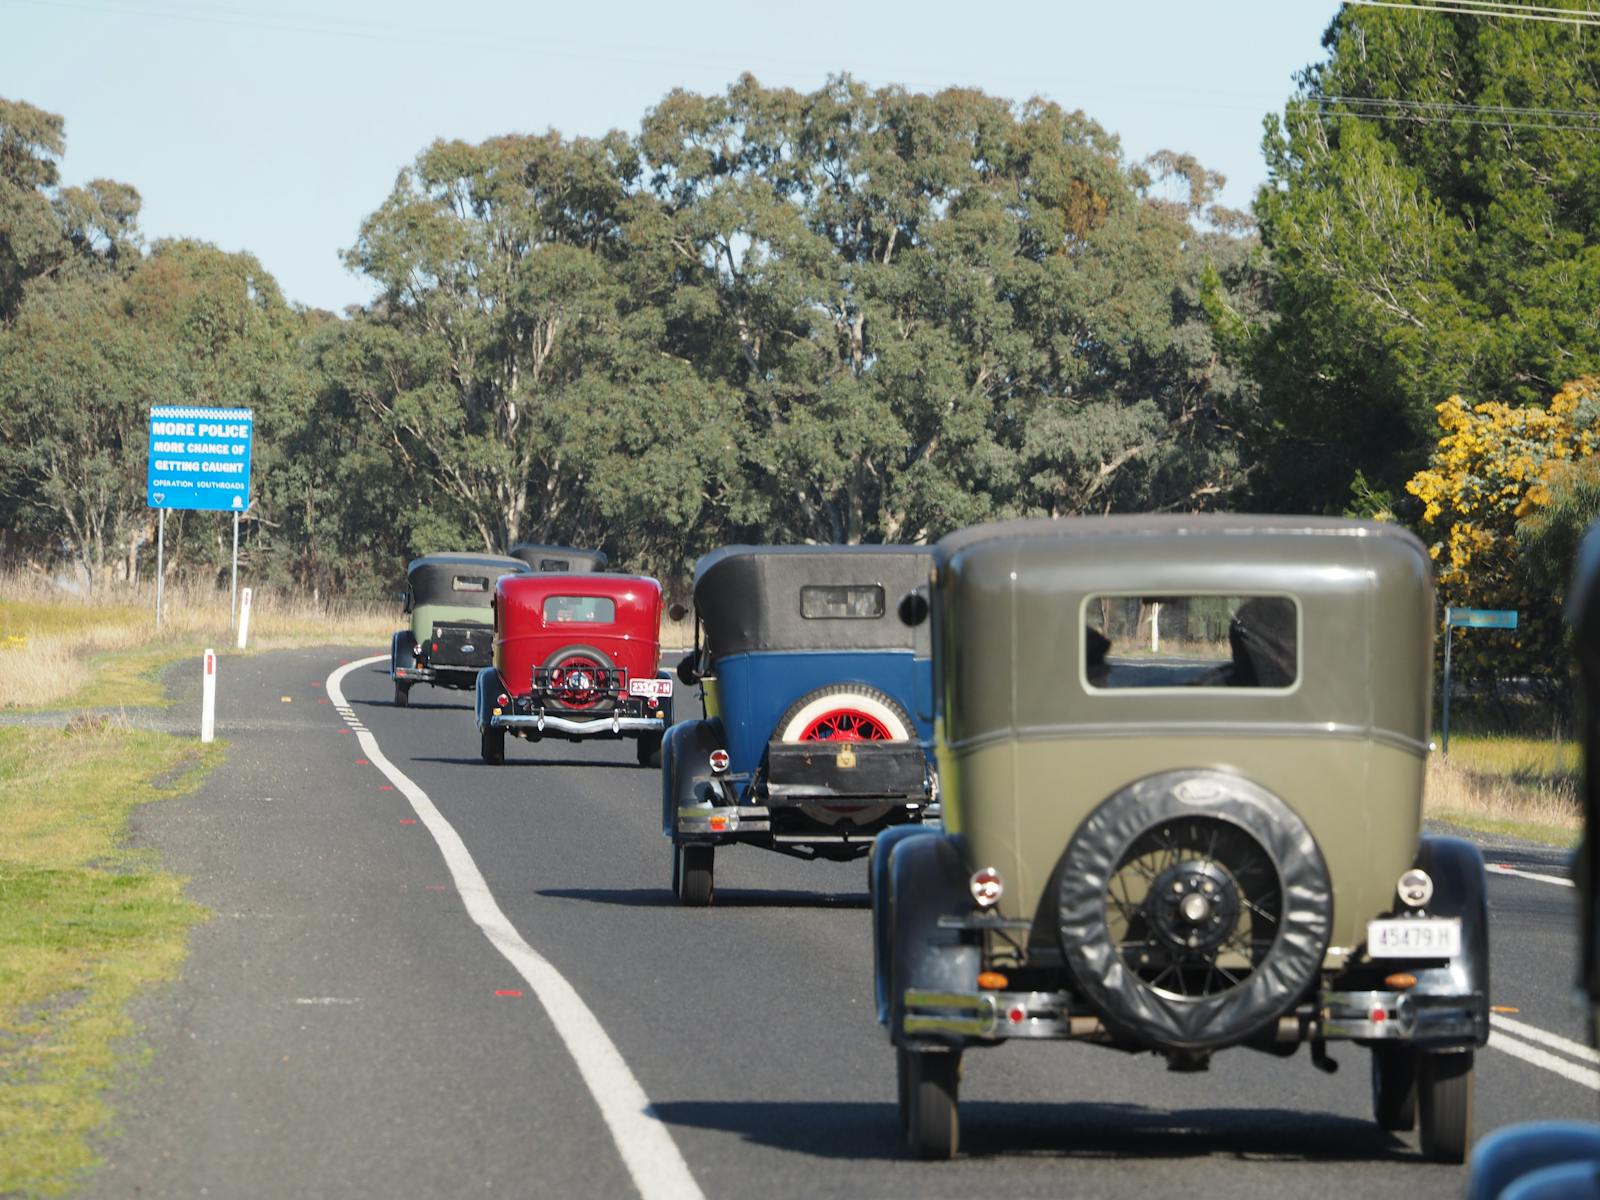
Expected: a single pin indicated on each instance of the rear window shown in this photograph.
(1191, 642)
(595, 610)
(836, 600)
(551, 566)
(469, 583)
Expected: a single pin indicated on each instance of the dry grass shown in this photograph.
(51, 643)
(1527, 787)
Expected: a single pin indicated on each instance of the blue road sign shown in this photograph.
(199, 459)
(1482, 618)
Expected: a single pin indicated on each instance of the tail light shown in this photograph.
(719, 761)
(503, 700)
(987, 887)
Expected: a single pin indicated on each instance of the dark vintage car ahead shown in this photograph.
(1182, 763)
(559, 560)
(449, 600)
(817, 704)
(575, 657)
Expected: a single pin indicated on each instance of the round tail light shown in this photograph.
(987, 887)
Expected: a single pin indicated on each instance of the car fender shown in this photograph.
(489, 688)
(685, 753)
(395, 650)
(1460, 889)
(883, 849)
(927, 879)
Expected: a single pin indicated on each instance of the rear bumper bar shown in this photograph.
(588, 727)
(1340, 1016)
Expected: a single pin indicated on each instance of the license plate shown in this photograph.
(650, 687)
(1432, 937)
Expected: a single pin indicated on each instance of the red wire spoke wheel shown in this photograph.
(845, 712)
(580, 678)
(846, 725)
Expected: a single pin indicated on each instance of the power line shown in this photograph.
(1482, 8)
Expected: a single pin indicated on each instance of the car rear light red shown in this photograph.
(719, 761)
(502, 700)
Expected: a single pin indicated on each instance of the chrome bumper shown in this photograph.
(1340, 1016)
(695, 819)
(1398, 1016)
(994, 1015)
(589, 726)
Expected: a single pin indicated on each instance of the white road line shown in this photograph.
(1502, 869)
(1555, 1041)
(1543, 1058)
(647, 1149)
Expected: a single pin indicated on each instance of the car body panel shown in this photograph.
(524, 639)
(763, 685)
(1344, 746)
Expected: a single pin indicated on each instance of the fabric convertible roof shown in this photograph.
(750, 598)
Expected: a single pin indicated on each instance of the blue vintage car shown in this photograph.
(818, 707)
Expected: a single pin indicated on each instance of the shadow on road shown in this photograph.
(725, 898)
(1091, 1131)
(476, 761)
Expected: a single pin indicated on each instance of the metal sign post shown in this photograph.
(199, 460)
(1468, 618)
(161, 567)
(233, 594)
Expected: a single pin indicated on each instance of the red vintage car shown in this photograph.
(575, 656)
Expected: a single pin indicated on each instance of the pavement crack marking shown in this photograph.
(643, 1141)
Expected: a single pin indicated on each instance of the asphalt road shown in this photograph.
(344, 1026)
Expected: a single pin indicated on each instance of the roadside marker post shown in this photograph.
(1468, 618)
(208, 698)
(244, 617)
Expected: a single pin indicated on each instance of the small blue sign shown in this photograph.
(1482, 618)
(199, 459)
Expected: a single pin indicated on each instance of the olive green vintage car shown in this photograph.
(1182, 761)
(449, 604)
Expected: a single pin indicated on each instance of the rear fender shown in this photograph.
(927, 879)
(399, 645)
(883, 849)
(489, 688)
(685, 766)
(1460, 889)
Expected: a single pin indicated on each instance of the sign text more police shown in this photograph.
(199, 458)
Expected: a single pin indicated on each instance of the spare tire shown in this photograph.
(588, 681)
(845, 712)
(1194, 909)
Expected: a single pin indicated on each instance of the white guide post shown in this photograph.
(208, 699)
(1155, 628)
(244, 616)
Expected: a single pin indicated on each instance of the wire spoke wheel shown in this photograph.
(580, 683)
(1193, 907)
(846, 725)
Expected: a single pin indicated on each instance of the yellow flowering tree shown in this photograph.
(1492, 468)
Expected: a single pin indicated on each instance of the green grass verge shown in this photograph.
(85, 924)
(1529, 831)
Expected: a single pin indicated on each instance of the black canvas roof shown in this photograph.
(548, 559)
(430, 579)
(748, 597)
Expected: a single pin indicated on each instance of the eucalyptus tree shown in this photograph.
(933, 309)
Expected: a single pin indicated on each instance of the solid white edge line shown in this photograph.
(1555, 1041)
(1500, 869)
(651, 1156)
(1582, 1076)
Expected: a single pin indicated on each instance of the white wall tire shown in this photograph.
(815, 707)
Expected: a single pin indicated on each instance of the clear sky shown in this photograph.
(277, 127)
